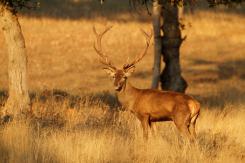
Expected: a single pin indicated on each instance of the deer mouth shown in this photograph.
(119, 88)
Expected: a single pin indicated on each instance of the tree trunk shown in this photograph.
(156, 21)
(171, 78)
(18, 101)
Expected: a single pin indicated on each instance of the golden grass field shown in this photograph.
(76, 115)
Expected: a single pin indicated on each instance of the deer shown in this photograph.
(149, 105)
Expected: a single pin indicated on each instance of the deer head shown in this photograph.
(119, 75)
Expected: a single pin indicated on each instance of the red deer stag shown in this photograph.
(150, 105)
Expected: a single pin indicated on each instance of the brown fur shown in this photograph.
(151, 106)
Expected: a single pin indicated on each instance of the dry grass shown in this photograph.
(77, 118)
(91, 133)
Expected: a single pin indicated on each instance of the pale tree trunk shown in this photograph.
(156, 21)
(171, 78)
(181, 12)
(18, 101)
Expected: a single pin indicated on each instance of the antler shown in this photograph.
(128, 66)
(104, 58)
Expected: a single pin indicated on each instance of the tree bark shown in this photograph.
(171, 78)
(18, 100)
(156, 21)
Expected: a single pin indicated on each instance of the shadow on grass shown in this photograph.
(75, 100)
(229, 69)
(93, 112)
(202, 5)
(224, 97)
(51, 107)
(111, 10)
(223, 71)
(85, 9)
(100, 109)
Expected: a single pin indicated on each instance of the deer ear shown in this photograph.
(128, 72)
(109, 71)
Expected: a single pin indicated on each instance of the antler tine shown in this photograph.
(104, 58)
(140, 56)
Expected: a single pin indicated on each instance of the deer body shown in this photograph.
(150, 105)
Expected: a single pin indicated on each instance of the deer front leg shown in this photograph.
(153, 128)
(145, 124)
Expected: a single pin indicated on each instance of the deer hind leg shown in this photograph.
(194, 107)
(182, 123)
(192, 125)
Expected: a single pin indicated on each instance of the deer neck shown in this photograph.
(127, 96)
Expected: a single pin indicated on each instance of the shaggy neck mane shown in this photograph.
(128, 95)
